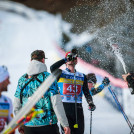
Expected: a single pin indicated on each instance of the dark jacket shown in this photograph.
(130, 80)
(85, 85)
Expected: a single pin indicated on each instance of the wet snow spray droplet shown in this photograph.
(116, 51)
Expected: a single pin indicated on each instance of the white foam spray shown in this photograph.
(116, 51)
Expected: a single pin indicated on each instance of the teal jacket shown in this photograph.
(48, 117)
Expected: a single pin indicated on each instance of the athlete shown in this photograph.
(72, 84)
(6, 108)
(91, 78)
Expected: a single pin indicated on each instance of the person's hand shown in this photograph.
(106, 81)
(13, 132)
(21, 129)
(91, 107)
(67, 130)
(124, 76)
(2, 124)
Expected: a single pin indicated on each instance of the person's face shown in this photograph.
(5, 84)
(90, 86)
(72, 63)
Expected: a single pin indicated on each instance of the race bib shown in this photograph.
(69, 89)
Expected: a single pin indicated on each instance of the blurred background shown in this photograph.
(91, 26)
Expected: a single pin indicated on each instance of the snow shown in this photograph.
(20, 36)
(106, 119)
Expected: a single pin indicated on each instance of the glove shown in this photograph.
(106, 81)
(132, 73)
(13, 132)
(21, 129)
(2, 124)
(91, 107)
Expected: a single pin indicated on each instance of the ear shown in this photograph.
(43, 60)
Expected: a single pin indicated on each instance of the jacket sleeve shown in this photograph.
(97, 90)
(17, 105)
(59, 110)
(10, 114)
(56, 66)
(86, 91)
(130, 81)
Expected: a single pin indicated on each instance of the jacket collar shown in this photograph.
(70, 70)
(36, 67)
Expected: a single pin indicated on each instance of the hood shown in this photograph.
(36, 67)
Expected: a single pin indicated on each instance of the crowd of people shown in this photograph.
(63, 100)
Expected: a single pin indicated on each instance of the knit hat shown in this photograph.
(3, 73)
(38, 55)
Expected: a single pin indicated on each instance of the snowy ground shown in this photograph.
(106, 120)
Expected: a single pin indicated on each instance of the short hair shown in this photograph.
(91, 78)
(38, 55)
